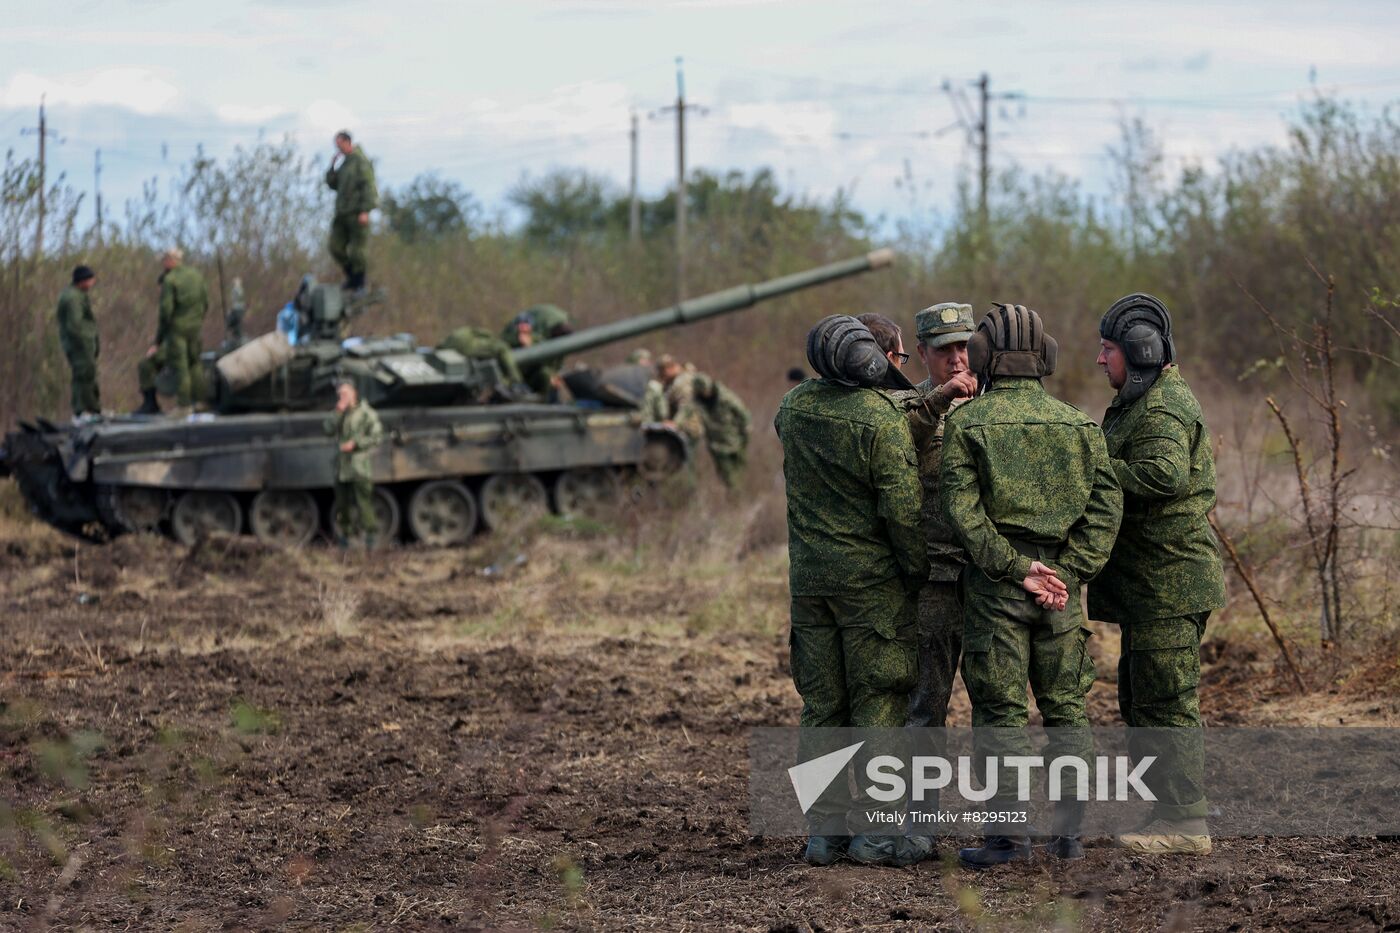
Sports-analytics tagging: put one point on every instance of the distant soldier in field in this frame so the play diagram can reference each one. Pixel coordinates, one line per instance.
(537, 324)
(184, 299)
(654, 399)
(678, 383)
(1028, 487)
(1165, 575)
(77, 334)
(726, 422)
(356, 428)
(351, 177)
(476, 343)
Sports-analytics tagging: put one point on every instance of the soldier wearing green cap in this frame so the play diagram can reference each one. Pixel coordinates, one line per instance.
(77, 334)
(943, 331)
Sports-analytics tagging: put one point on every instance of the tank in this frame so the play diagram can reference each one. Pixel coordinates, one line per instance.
(464, 450)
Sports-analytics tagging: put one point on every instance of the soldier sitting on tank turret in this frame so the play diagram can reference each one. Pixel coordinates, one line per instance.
(537, 324)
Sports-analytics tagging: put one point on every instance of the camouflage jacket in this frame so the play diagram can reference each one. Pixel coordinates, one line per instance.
(654, 403)
(853, 494)
(360, 425)
(353, 183)
(1166, 561)
(183, 300)
(726, 421)
(1022, 473)
(681, 407)
(477, 344)
(927, 411)
(77, 328)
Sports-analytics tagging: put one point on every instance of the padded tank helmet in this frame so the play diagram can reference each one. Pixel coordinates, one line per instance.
(1011, 341)
(1142, 326)
(842, 349)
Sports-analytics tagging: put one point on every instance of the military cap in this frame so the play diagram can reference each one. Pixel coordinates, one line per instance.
(82, 274)
(944, 323)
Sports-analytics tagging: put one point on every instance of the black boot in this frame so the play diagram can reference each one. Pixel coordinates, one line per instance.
(149, 405)
(1067, 848)
(825, 850)
(996, 850)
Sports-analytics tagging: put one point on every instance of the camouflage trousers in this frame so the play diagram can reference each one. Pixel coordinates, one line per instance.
(940, 645)
(354, 508)
(1007, 641)
(729, 466)
(854, 656)
(85, 395)
(180, 353)
(347, 244)
(1159, 671)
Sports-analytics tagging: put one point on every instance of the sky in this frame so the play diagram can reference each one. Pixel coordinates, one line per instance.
(833, 96)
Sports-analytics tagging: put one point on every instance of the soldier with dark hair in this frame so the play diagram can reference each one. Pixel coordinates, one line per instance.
(351, 177)
(1165, 575)
(77, 334)
(1029, 489)
(537, 324)
(856, 557)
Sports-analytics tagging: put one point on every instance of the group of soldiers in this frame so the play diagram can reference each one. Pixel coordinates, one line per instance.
(702, 408)
(955, 522)
(172, 362)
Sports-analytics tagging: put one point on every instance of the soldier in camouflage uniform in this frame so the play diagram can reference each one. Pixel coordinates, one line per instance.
(1165, 575)
(184, 299)
(357, 431)
(537, 324)
(477, 344)
(943, 331)
(678, 384)
(77, 334)
(726, 422)
(352, 180)
(856, 557)
(1029, 489)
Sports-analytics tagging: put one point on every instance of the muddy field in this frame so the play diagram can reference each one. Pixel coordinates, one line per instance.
(233, 737)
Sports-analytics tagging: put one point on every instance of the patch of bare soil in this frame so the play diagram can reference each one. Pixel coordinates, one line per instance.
(232, 737)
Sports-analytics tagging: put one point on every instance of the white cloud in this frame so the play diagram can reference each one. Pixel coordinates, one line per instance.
(806, 122)
(248, 113)
(136, 89)
(327, 117)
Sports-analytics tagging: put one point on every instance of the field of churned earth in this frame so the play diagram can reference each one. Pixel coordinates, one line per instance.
(546, 731)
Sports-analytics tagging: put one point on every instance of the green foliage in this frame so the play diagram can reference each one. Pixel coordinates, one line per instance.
(428, 209)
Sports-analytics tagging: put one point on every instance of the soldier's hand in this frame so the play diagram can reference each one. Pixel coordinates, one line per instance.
(1045, 585)
(961, 385)
(151, 352)
(364, 218)
(347, 447)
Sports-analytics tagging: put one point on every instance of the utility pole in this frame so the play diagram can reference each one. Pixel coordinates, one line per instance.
(983, 151)
(97, 191)
(634, 211)
(44, 133)
(680, 108)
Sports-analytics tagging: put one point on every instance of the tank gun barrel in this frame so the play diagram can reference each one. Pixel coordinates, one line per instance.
(698, 309)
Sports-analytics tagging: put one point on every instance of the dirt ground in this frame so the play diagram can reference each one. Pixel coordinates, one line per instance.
(234, 737)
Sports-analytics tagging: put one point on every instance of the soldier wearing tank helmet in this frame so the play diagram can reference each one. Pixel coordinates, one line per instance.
(1164, 576)
(856, 558)
(1028, 487)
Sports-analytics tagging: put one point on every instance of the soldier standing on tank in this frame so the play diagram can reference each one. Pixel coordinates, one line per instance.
(351, 177)
(1029, 489)
(856, 558)
(357, 431)
(77, 334)
(1165, 575)
(184, 299)
(726, 422)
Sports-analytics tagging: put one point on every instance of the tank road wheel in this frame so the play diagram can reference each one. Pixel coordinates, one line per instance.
(587, 493)
(133, 509)
(662, 455)
(386, 511)
(285, 517)
(512, 499)
(199, 512)
(442, 513)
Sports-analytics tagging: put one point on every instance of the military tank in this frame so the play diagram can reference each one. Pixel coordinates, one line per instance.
(463, 451)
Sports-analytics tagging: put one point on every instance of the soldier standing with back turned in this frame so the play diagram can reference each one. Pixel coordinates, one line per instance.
(1028, 486)
(1165, 576)
(77, 334)
(184, 299)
